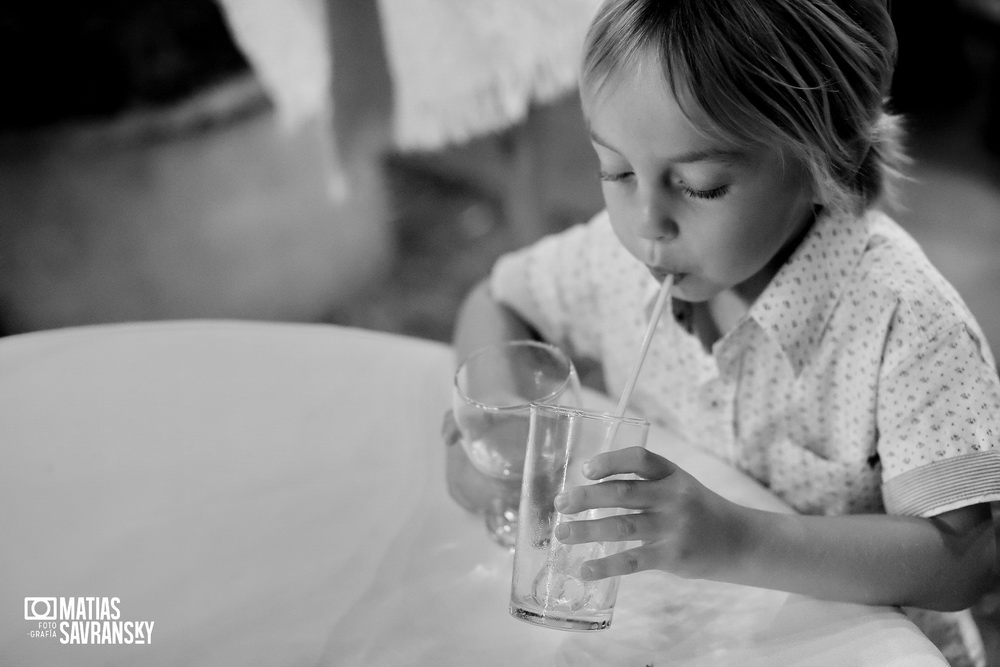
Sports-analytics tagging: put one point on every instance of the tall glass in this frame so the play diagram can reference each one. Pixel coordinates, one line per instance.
(493, 390)
(546, 587)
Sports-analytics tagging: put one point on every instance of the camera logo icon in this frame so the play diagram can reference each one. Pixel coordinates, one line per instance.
(40, 609)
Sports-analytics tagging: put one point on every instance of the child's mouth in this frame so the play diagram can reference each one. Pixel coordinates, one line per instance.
(661, 274)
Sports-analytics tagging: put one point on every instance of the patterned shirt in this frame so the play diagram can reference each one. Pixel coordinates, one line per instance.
(857, 382)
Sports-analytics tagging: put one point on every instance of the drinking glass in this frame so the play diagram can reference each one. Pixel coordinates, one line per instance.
(546, 586)
(493, 390)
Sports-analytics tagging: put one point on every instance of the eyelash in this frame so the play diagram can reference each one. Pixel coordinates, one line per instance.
(613, 178)
(713, 193)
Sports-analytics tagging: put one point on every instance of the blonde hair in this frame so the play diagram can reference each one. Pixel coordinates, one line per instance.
(808, 76)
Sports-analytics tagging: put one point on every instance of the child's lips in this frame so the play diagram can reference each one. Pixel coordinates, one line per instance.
(661, 274)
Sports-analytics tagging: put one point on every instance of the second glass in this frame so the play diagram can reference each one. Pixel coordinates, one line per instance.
(493, 390)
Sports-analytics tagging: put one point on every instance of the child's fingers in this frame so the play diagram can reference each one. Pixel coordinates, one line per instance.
(449, 429)
(627, 562)
(631, 494)
(636, 460)
(621, 528)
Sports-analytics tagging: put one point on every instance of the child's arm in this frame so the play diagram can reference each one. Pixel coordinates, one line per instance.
(943, 563)
(481, 322)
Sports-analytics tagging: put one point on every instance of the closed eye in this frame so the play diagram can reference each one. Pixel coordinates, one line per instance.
(614, 177)
(713, 193)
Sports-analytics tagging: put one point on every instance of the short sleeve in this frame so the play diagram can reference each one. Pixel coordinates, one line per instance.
(551, 285)
(938, 413)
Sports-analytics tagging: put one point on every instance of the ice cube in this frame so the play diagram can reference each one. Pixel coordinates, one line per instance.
(558, 586)
(556, 591)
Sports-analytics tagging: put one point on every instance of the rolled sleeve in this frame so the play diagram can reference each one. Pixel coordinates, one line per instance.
(939, 426)
(945, 485)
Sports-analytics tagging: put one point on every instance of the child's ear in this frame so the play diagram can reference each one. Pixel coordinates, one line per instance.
(815, 194)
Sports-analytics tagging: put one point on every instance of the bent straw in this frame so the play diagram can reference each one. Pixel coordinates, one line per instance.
(661, 300)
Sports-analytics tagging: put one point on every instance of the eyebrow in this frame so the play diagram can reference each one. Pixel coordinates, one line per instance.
(701, 155)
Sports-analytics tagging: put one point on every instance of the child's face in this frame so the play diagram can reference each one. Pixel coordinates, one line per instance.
(718, 216)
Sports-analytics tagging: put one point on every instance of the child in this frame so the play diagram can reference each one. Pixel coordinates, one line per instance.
(743, 147)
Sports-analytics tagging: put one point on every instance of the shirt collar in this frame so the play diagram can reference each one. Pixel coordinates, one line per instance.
(794, 308)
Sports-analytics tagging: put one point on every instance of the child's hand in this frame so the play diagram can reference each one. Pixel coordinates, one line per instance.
(470, 488)
(684, 528)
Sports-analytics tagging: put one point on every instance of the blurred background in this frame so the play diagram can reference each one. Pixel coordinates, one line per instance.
(152, 167)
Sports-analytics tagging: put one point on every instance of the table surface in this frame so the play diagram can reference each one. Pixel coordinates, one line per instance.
(273, 494)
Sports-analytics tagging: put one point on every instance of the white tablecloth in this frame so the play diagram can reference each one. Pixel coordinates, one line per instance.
(274, 495)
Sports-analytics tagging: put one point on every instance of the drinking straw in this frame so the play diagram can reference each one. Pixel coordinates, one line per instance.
(654, 318)
(661, 300)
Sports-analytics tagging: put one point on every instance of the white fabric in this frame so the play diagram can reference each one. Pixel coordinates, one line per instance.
(274, 495)
(463, 68)
(460, 68)
(287, 43)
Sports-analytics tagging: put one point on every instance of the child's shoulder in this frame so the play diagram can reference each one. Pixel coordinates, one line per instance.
(895, 273)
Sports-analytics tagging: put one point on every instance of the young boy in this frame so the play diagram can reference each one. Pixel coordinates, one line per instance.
(743, 148)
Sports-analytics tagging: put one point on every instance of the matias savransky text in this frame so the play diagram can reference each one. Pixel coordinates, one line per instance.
(85, 620)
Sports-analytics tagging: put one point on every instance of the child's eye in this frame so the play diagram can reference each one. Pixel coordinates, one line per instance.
(615, 177)
(713, 193)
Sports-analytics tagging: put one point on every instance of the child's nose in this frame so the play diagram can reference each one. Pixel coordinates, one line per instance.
(656, 222)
